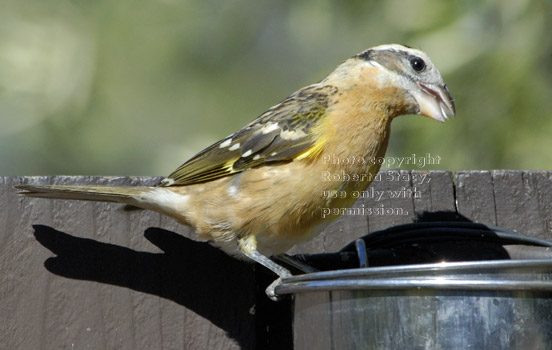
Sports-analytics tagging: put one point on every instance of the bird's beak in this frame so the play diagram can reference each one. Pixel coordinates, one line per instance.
(434, 101)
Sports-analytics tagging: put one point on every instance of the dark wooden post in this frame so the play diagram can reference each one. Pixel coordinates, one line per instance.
(94, 276)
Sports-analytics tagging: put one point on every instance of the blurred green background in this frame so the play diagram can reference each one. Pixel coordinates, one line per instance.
(135, 87)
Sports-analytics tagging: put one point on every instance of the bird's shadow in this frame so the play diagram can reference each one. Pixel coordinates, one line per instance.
(192, 274)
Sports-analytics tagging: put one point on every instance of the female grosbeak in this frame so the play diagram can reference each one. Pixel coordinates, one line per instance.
(259, 191)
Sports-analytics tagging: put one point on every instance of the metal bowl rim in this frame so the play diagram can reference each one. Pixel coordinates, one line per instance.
(469, 267)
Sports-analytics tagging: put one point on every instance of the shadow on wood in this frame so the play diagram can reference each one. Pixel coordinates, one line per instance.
(444, 215)
(192, 274)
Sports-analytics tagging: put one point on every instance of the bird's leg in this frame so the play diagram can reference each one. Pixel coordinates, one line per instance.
(248, 246)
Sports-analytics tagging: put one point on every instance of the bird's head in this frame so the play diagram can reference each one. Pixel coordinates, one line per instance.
(412, 71)
(406, 78)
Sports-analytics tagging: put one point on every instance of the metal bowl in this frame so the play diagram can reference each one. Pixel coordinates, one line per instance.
(503, 304)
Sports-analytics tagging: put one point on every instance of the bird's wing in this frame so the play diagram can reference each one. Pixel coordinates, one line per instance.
(283, 133)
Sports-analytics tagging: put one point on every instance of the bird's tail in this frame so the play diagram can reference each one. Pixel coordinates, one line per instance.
(127, 195)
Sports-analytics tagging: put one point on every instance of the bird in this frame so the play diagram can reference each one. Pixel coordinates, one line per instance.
(259, 191)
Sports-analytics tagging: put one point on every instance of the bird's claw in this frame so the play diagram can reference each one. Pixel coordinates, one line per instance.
(271, 292)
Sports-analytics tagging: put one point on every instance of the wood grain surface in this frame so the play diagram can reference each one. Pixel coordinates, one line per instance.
(90, 275)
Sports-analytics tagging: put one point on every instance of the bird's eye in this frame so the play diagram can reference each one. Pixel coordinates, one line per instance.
(417, 64)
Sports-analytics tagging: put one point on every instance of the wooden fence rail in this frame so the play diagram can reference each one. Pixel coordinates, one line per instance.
(87, 275)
